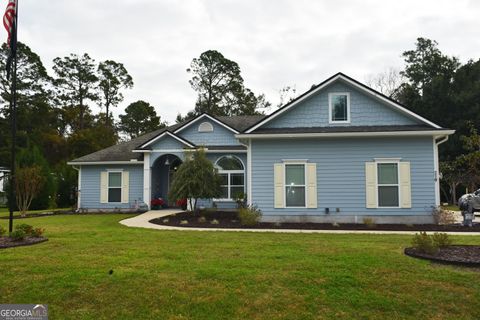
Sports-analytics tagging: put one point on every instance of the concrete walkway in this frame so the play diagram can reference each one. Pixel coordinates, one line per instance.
(142, 221)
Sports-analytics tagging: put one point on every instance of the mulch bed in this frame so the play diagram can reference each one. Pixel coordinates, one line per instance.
(456, 254)
(229, 220)
(6, 242)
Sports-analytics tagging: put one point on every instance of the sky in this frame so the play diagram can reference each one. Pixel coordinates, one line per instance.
(276, 43)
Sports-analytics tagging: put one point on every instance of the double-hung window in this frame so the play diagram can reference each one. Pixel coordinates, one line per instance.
(387, 184)
(339, 107)
(114, 186)
(232, 172)
(295, 185)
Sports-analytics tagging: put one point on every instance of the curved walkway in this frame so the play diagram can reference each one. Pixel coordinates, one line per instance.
(143, 221)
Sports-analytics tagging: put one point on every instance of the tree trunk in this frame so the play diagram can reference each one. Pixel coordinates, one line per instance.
(453, 189)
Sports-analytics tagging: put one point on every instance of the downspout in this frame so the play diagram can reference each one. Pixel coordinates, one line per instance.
(79, 191)
(437, 168)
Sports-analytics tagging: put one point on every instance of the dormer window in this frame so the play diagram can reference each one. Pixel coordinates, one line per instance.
(339, 107)
(205, 127)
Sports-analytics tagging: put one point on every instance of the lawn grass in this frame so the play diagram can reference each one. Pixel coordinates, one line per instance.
(451, 207)
(229, 275)
(4, 211)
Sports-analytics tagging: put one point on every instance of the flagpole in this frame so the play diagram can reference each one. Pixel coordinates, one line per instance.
(13, 115)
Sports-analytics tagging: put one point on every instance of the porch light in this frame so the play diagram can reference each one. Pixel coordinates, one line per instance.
(167, 163)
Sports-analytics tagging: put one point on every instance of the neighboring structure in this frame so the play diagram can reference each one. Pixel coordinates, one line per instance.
(3, 184)
(340, 152)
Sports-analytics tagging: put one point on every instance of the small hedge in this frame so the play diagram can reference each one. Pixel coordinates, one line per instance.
(249, 216)
(430, 243)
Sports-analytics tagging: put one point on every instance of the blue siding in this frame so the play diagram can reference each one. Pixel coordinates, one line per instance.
(341, 172)
(90, 188)
(219, 136)
(168, 143)
(364, 111)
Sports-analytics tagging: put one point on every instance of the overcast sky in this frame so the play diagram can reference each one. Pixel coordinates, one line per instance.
(276, 43)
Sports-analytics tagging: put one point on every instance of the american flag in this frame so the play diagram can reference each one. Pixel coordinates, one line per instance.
(8, 20)
(10, 24)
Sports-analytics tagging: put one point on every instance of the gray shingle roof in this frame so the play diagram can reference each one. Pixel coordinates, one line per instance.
(123, 151)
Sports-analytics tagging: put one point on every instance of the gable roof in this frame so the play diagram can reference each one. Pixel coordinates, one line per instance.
(387, 100)
(123, 152)
(205, 115)
(168, 133)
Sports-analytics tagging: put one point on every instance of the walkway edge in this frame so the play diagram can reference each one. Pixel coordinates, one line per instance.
(143, 221)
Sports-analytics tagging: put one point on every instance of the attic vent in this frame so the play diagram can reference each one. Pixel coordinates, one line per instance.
(205, 127)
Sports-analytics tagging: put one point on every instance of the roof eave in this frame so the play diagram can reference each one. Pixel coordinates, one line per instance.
(344, 134)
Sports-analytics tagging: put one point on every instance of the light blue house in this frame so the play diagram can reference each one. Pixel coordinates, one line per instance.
(340, 152)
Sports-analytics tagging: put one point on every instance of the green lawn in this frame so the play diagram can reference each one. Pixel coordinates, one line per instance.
(4, 212)
(228, 275)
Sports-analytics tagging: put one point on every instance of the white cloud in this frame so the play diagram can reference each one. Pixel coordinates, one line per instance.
(276, 43)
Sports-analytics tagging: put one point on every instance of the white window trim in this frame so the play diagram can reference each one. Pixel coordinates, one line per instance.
(108, 184)
(330, 96)
(386, 160)
(290, 162)
(228, 172)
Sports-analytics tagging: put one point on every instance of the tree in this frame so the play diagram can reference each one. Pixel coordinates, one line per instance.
(76, 84)
(30, 157)
(35, 113)
(386, 82)
(195, 179)
(28, 181)
(287, 94)
(220, 87)
(140, 117)
(112, 78)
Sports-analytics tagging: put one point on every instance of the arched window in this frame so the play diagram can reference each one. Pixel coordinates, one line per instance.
(205, 127)
(232, 171)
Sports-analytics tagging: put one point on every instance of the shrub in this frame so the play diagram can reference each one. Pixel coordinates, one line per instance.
(241, 200)
(184, 222)
(18, 235)
(424, 243)
(202, 220)
(442, 216)
(214, 221)
(3, 231)
(26, 228)
(37, 232)
(369, 222)
(441, 239)
(249, 216)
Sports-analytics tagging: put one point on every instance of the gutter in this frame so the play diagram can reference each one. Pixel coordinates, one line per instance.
(344, 134)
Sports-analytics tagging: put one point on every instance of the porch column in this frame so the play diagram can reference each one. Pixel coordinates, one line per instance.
(146, 179)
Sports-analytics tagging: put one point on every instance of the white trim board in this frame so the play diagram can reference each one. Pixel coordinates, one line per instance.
(354, 84)
(83, 163)
(346, 134)
(203, 115)
(183, 141)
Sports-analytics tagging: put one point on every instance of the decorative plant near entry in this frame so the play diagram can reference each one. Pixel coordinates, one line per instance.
(196, 178)
(157, 203)
(182, 203)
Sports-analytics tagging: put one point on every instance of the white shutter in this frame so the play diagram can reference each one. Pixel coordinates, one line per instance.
(371, 184)
(104, 187)
(125, 186)
(279, 189)
(405, 185)
(311, 185)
